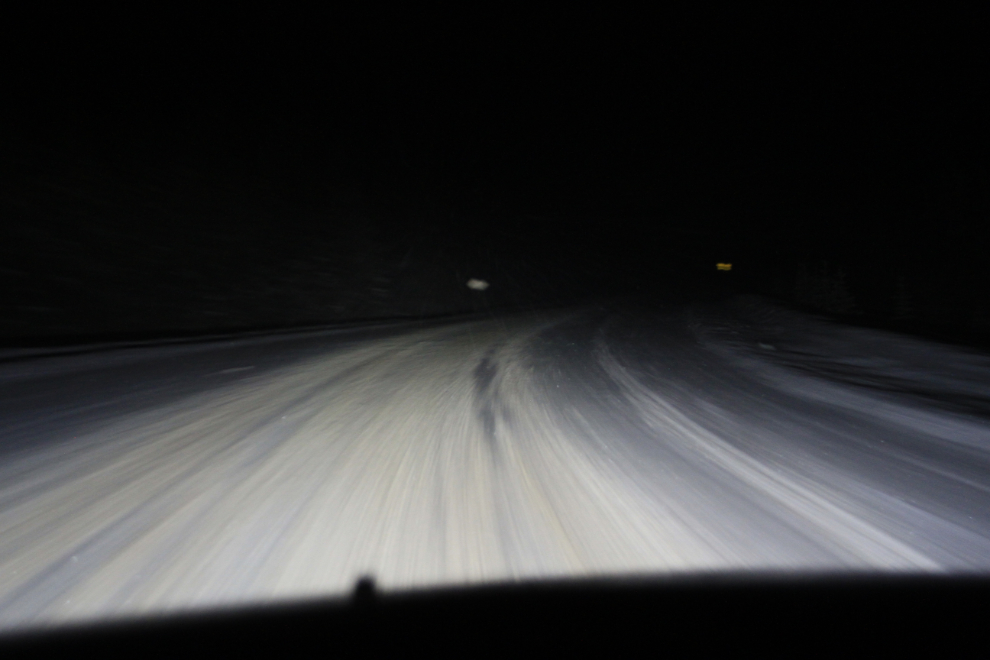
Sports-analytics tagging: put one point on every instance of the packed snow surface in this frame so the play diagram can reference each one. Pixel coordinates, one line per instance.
(734, 437)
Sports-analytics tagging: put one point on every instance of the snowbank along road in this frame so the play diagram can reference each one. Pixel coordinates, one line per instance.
(589, 442)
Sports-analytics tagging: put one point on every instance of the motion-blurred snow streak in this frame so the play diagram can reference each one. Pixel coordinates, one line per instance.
(584, 444)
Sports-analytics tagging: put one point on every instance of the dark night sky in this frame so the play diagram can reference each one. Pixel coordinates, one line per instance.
(605, 138)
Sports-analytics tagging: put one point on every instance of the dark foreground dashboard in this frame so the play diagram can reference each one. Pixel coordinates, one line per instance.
(926, 616)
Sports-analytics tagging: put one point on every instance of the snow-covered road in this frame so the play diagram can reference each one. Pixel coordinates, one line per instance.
(568, 443)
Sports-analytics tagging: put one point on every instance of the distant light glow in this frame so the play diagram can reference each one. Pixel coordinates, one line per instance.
(477, 285)
(724, 266)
